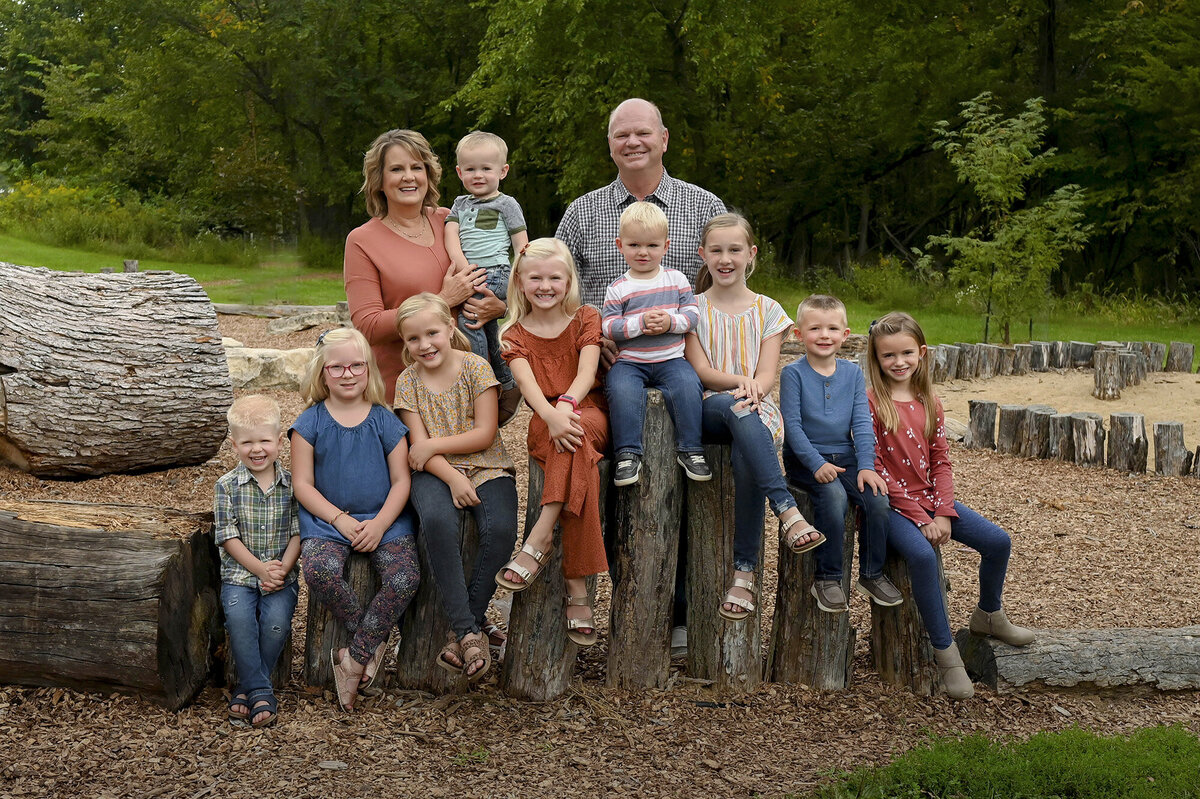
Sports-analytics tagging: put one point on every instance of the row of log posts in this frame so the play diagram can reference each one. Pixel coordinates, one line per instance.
(1130, 363)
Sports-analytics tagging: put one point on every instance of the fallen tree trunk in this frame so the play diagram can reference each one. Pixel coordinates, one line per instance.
(97, 371)
(108, 598)
(1119, 658)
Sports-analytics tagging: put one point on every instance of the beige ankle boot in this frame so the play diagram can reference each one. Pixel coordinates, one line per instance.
(997, 625)
(952, 673)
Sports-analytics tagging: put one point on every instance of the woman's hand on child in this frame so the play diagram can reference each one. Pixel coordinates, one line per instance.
(419, 454)
(462, 491)
(608, 353)
(367, 535)
(828, 473)
(869, 478)
(458, 287)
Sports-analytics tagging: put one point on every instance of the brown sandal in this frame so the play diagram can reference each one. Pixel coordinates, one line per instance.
(587, 623)
(474, 649)
(528, 576)
(452, 649)
(791, 538)
(366, 686)
(345, 682)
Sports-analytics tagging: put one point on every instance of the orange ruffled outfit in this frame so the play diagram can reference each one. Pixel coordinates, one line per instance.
(572, 478)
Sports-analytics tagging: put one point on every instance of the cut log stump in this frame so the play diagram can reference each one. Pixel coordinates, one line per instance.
(810, 646)
(1108, 379)
(1060, 354)
(108, 598)
(1008, 437)
(1081, 353)
(1062, 441)
(1090, 661)
(727, 652)
(96, 371)
(323, 632)
(953, 355)
(1008, 357)
(1087, 438)
(900, 649)
(1127, 444)
(1171, 456)
(539, 659)
(1023, 359)
(1156, 355)
(981, 432)
(645, 555)
(1039, 358)
(1179, 356)
(1035, 432)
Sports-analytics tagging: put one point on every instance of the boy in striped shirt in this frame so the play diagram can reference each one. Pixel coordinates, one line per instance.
(646, 312)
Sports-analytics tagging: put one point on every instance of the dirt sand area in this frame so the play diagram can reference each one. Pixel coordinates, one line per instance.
(1091, 548)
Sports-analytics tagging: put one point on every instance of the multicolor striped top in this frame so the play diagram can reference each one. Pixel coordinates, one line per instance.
(629, 298)
(733, 342)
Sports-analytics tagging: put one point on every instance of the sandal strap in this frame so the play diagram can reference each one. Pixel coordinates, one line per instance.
(519, 570)
(791, 536)
(588, 623)
(579, 601)
(745, 604)
(741, 582)
(537, 554)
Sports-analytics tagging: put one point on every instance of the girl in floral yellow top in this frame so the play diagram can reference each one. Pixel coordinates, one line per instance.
(448, 401)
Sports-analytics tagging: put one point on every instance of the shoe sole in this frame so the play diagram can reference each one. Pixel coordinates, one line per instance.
(825, 607)
(860, 590)
(698, 478)
(628, 481)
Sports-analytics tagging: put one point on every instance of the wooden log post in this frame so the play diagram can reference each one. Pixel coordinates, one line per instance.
(1060, 354)
(968, 360)
(1008, 437)
(1179, 357)
(1127, 444)
(1107, 376)
(989, 360)
(937, 363)
(1088, 661)
(1022, 359)
(108, 598)
(1132, 370)
(953, 354)
(425, 625)
(728, 653)
(323, 632)
(981, 431)
(1008, 357)
(1039, 359)
(645, 553)
(1156, 355)
(1171, 456)
(1195, 471)
(1087, 437)
(1081, 353)
(1035, 432)
(97, 371)
(809, 646)
(900, 649)
(539, 659)
(1062, 440)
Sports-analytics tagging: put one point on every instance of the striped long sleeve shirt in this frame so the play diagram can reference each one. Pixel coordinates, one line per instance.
(629, 298)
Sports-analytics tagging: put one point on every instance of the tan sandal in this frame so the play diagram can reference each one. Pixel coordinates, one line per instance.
(366, 686)
(746, 605)
(345, 682)
(791, 538)
(528, 576)
(474, 649)
(453, 649)
(575, 625)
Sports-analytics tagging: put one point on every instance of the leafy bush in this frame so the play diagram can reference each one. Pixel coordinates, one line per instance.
(1156, 762)
(321, 253)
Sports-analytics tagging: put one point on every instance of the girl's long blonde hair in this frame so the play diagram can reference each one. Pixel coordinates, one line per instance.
(426, 301)
(704, 280)
(539, 250)
(922, 382)
(314, 389)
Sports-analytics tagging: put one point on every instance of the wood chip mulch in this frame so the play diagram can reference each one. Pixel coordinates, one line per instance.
(1091, 548)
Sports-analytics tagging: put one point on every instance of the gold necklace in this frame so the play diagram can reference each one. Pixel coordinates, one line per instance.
(396, 226)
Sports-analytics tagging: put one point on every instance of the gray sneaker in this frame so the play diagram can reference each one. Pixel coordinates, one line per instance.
(880, 590)
(830, 596)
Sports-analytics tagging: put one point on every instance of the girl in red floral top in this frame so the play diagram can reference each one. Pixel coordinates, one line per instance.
(913, 458)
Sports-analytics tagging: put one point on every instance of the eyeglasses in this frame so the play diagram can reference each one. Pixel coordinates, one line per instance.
(356, 369)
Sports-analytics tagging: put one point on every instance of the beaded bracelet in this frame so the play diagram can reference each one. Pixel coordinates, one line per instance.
(569, 399)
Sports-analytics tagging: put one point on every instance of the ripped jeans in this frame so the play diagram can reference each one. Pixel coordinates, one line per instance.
(258, 625)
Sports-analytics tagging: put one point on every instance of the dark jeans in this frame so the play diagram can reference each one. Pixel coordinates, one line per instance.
(981, 535)
(830, 502)
(626, 386)
(496, 522)
(485, 341)
(756, 473)
(258, 625)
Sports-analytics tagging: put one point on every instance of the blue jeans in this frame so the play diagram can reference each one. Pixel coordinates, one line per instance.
(756, 473)
(830, 501)
(258, 625)
(485, 341)
(980, 534)
(626, 386)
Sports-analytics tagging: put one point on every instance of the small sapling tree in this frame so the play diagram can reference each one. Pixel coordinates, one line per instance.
(1004, 263)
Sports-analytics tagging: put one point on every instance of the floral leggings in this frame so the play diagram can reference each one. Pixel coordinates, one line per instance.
(396, 564)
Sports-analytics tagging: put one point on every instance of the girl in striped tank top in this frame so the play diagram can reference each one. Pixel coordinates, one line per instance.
(735, 350)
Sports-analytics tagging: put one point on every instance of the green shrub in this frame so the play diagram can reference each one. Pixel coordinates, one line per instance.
(321, 253)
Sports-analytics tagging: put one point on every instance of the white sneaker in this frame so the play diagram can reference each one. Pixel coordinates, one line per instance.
(678, 641)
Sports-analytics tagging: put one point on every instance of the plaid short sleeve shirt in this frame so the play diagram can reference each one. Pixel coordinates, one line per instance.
(264, 522)
(590, 225)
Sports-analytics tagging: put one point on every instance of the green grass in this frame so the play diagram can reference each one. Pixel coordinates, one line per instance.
(283, 279)
(1155, 762)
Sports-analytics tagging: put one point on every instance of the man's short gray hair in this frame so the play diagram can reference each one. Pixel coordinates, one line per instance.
(623, 103)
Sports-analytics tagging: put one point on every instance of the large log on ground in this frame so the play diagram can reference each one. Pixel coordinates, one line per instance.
(1121, 658)
(107, 598)
(644, 558)
(808, 645)
(1179, 357)
(900, 649)
(539, 658)
(981, 432)
(97, 371)
(727, 652)
(1108, 379)
(1087, 438)
(323, 632)
(1008, 437)
(1127, 444)
(1171, 457)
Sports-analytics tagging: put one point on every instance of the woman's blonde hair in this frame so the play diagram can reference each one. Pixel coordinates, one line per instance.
(418, 147)
(314, 388)
(539, 250)
(922, 382)
(419, 303)
(704, 280)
